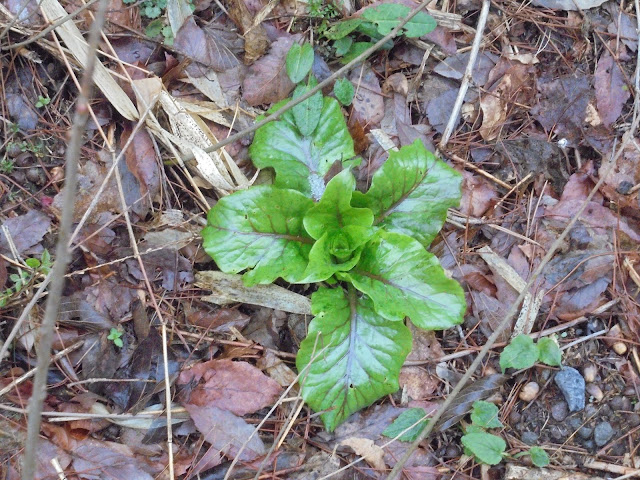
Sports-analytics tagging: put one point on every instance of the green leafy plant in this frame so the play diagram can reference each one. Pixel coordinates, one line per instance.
(42, 102)
(375, 22)
(488, 448)
(24, 277)
(115, 335)
(522, 352)
(6, 165)
(366, 249)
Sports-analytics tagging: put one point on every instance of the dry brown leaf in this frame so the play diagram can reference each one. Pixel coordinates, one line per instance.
(238, 387)
(419, 384)
(368, 102)
(226, 432)
(611, 90)
(25, 230)
(372, 453)
(478, 195)
(255, 37)
(267, 81)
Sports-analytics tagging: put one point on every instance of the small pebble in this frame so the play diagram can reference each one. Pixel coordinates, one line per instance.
(585, 432)
(619, 403)
(633, 419)
(590, 411)
(590, 371)
(529, 391)
(559, 411)
(574, 422)
(530, 438)
(515, 416)
(572, 386)
(589, 444)
(595, 391)
(603, 433)
(558, 432)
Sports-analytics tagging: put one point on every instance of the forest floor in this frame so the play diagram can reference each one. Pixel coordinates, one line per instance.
(549, 109)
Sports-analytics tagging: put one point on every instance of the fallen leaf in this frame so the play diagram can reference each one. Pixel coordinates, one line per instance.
(368, 102)
(563, 105)
(568, 4)
(425, 345)
(623, 26)
(255, 37)
(417, 382)
(215, 320)
(238, 387)
(509, 86)
(479, 390)
(478, 195)
(455, 66)
(611, 90)
(372, 453)
(213, 46)
(226, 432)
(142, 162)
(93, 460)
(267, 81)
(25, 230)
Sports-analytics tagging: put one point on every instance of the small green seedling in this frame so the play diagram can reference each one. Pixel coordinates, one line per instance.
(522, 352)
(367, 250)
(115, 335)
(43, 102)
(24, 277)
(374, 23)
(488, 448)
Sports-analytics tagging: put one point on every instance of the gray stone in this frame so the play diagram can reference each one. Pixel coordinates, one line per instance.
(530, 438)
(603, 433)
(572, 386)
(559, 411)
(633, 420)
(574, 422)
(585, 432)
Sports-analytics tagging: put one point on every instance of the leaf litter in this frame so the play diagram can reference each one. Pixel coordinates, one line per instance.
(544, 128)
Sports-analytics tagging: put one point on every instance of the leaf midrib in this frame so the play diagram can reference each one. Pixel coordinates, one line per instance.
(402, 198)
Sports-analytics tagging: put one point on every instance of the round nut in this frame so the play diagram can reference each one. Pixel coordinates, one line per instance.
(595, 391)
(620, 348)
(529, 391)
(589, 372)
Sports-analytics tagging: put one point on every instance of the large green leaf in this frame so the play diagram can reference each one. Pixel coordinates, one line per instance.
(411, 193)
(299, 61)
(334, 210)
(487, 448)
(336, 251)
(260, 229)
(355, 355)
(302, 161)
(388, 15)
(307, 113)
(403, 279)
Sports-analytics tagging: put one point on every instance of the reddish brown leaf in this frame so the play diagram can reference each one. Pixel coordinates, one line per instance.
(226, 432)
(107, 460)
(210, 47)
(478, 195)
(220, 320)
(368, 102)
(3, 273)
(26, 231)
(255, 38)
(267, 80)
(142, 161)
(237, 387)
(611, 90)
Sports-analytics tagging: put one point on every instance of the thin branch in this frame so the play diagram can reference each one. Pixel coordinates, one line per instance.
(338, 73)
(62, 254)
(466, 79)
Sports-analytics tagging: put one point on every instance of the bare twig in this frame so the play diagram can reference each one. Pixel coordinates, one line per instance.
(466, 79)
(62, 254)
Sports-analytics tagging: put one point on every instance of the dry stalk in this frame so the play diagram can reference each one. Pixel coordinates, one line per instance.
(62, 255)
(466, 79)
